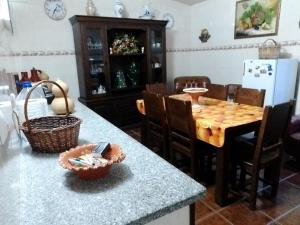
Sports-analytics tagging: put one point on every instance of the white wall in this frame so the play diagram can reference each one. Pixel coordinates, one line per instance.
(35, 33)
(226, 65)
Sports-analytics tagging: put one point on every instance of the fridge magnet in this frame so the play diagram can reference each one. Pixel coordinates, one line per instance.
(256, 18)
(204, 36)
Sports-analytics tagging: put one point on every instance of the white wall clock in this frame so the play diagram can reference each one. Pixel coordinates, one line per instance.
(169, 17)
(55, 9)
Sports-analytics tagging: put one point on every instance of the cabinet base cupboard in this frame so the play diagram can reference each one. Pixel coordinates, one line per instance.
(116, 58)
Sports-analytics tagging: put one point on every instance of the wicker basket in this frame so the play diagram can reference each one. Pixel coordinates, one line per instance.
(51, 134)
(270, 49)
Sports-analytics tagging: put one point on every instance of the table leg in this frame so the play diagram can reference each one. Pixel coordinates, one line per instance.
(222, 174)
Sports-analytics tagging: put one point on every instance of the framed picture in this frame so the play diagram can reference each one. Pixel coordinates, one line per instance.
(256, 18)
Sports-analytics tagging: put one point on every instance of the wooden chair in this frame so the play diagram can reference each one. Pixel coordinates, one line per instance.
(231, 90)
(292, 141)
(217, 91)
(159, 88)
(182, 131)
(156, 126)
(183, 140)
(250, 96)
(264, 151)
(190, 81)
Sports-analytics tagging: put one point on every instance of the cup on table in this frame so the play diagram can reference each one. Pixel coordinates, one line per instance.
(230, 98)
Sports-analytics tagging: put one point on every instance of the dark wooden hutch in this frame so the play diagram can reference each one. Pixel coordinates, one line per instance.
(116, 57)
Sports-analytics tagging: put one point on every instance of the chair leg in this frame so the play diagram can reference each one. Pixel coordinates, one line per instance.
(253, 191)
(172, 156)
(201, 165)
(233, 175)
(194, 163)
(166, 151)
(209, 167)
(276, 178)
(144, 131)
(242, 178)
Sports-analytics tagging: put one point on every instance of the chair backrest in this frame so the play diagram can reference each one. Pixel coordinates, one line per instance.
(217, 91)
(180, 117)
(154, 107)
(273, 129)
(190, 81)
(159, 88)
(232, 89)
(250, 96)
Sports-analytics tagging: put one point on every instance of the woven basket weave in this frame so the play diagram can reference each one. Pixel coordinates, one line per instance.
(51, 134)
(270, 49)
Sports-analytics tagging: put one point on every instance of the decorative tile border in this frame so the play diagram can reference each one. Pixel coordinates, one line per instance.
(37, 53)
(198, 49)
(230, 47)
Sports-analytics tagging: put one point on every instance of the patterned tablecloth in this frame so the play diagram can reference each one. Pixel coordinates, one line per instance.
(214, 116)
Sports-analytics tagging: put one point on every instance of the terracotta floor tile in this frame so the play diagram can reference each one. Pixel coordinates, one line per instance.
(240, 214)
(274, 208)
(292, 218)
(295, 179)
(209, 198)
(202, 210)
(287, 198)
(289, 191)
(286, 173)
(215, 219)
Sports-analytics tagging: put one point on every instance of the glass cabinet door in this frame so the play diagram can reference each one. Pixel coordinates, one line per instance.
(157, 56)
(96, 65)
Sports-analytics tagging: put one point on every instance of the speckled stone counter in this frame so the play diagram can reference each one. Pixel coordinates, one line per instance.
(35, 190)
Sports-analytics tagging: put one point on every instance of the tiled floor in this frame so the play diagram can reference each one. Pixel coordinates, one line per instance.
(284, 210)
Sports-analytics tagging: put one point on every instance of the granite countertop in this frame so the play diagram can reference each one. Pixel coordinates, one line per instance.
(35, 189)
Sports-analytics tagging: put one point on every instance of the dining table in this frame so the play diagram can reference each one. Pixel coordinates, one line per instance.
(218, 123)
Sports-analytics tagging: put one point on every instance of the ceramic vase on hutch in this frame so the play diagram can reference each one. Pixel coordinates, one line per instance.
(90, 8)
(119, 8)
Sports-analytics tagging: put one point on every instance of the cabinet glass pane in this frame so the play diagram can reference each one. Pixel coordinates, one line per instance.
(94, 43)
(127, 72)
(128, 62)
(156, 55)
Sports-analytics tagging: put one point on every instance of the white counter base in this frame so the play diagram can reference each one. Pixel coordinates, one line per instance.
(178, 217)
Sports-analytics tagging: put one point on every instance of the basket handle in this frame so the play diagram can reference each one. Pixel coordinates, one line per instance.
(29, 93)
(270, 40)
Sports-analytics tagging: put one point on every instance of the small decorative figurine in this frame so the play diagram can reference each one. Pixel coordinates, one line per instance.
(147, 13)
(90, 8)
(204, 35)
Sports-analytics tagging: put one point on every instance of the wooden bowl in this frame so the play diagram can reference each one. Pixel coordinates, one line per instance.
(113, 155)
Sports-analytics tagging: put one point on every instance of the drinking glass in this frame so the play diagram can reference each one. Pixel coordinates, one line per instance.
(230, 98)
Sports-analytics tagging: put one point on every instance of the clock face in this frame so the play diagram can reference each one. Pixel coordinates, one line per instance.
(55, 9)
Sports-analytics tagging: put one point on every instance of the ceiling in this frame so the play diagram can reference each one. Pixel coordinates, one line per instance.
(189, 2)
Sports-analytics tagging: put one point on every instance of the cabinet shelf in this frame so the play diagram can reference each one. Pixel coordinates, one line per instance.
(157, 51)
(127, 55)
(118, 105)
(138, 87)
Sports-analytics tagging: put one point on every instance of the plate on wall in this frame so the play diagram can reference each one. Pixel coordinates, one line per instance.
(170, 18)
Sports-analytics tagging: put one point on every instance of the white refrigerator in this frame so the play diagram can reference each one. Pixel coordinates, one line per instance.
(277, 76)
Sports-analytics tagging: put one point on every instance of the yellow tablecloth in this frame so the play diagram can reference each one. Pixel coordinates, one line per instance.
(214, 116)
